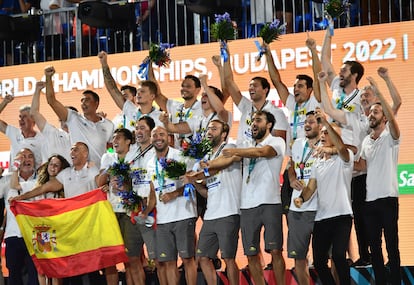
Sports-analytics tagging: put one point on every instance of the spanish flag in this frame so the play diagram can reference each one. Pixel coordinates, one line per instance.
(69, 237)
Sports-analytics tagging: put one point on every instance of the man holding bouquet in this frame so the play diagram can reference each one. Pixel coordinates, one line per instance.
(176, 214)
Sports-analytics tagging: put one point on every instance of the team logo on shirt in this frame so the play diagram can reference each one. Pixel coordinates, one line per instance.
(43, 239)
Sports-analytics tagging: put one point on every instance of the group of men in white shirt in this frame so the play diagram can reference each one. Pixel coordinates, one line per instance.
(241, 182)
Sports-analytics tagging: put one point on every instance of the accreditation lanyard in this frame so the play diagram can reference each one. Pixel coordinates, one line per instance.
(341, 104)
(160, 175)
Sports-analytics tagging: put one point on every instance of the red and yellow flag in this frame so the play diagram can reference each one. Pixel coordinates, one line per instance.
(69, 237)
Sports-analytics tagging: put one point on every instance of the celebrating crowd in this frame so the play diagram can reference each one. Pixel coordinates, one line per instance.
(341, 142)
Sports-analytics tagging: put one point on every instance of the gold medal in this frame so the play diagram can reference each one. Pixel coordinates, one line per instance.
(248, 179)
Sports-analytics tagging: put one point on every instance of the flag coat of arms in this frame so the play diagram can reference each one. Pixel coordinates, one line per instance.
(69, 237)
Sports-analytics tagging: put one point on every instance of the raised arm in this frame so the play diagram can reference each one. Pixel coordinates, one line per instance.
(160, 98)
(251, 152)
(231, 86)
(50, 186)
(316, 67)
(110, 83)
(217, 62)
(7, 99)
(59, 109)
(177, 128)
(336, 114)
(335, 138)
(326, 56)
(388, 112)
(215, 101)
(274, 74)
(39, 119)
(395, 95)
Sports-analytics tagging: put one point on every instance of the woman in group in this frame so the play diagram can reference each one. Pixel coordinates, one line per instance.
(46, 172)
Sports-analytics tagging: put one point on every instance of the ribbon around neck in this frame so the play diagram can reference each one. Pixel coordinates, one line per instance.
(189, 191)
(144, 68)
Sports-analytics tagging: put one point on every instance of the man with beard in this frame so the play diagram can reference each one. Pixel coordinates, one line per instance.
(344, 86)
(141, 102)
(360, 129)
(90, 127)
(301, 220)
(222, 218)
(212, 108)
(260, 197)
(259, 88)
(176, 215)
(379, 157)
(331, 176)
(180, 111)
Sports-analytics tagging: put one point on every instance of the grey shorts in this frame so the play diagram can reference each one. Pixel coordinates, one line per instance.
(135, 236)
(299, 234)
(175, 238)
(220, 233)
(251, 222)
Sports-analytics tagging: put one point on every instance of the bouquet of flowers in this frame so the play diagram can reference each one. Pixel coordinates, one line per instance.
(223, 30)
(196, 146)
(138, 175)
(173, 168)
(120, 170)
(159, 54)
(131, 202)
(269, 33)
(336, 8)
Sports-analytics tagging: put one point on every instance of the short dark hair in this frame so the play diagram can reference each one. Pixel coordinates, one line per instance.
(94, 94)
(217, 92)
(269, 117)
(195, 79)
(148, 120)
(132, 89)
(356, 67)
(225, 128)
(264, 82)
(126, 133)
(307, 78)
(72, 108)
(151, 85)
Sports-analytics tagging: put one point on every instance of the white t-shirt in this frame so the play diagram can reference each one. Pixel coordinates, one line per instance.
(349, 102)
(177, 209)
(107, 160)
(263, 186)
(12, 228)
(78, 182)
(381, 156)
(57, 141)
(180, 114)
(131, 113)
(17, 142)
(333, 177)
(224, 191)
(246, 108)
(200, 126)
(297, 122)
(301, 152)
(95, 135)
(141, 183)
